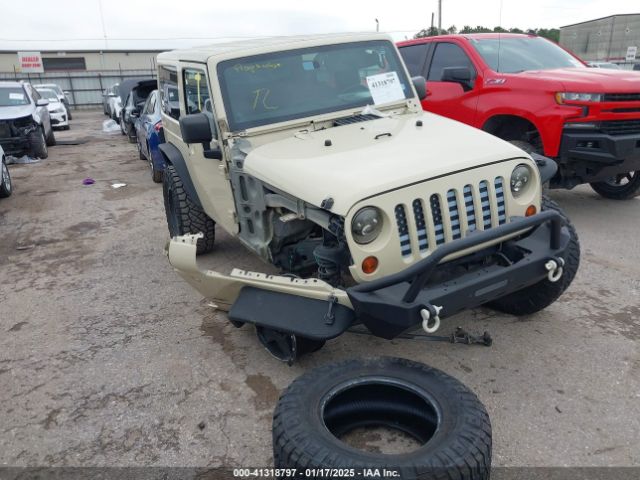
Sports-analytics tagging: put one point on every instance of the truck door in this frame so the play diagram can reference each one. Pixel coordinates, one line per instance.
(452, 84)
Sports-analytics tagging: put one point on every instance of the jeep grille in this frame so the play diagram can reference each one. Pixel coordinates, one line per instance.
(450, 215)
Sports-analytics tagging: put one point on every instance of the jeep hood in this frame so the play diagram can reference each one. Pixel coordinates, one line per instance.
(17, 111)
(353, 162)
(588, 80)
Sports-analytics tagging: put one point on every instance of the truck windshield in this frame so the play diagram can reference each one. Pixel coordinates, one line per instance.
(518, 54)
(12, 96)
(281, 86)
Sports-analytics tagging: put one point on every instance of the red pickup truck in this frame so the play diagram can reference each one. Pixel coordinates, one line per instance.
(532, 92)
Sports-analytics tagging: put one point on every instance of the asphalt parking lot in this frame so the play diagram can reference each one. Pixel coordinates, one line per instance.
(108, 358)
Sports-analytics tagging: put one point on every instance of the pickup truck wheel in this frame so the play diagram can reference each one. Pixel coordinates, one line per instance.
(38, 144)
(5, 180)
(184, 216)
(442, 418)
(620, 187)
(539, 296)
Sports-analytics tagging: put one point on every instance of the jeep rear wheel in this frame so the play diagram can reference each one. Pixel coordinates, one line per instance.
(542, 294)
(37, 144)
(184, 216)
(620, 187)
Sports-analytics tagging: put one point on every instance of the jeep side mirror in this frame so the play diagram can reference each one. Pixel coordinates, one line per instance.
(42, 102)
(195, 128)
(420, 84)
(461, 75)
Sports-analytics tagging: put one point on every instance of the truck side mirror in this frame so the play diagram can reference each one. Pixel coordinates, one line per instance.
(420, 84)
(195, 128)
(461, 75)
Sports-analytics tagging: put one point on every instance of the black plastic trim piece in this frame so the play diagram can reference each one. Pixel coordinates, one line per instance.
(173, 156)
(306, 317)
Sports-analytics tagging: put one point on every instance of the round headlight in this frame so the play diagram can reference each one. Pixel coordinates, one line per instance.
(520, 178)
(366, 225)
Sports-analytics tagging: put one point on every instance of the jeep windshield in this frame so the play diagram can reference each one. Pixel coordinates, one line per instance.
(281, 86)
(518, 54)
(13, 96)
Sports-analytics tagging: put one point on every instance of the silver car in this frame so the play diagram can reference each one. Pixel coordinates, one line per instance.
(25, 124)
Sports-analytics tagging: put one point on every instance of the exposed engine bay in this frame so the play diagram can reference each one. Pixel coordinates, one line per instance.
(14, 134)
(298, 238)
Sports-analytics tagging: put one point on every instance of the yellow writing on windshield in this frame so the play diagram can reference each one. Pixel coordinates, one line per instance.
(254, 67)
(261, 97)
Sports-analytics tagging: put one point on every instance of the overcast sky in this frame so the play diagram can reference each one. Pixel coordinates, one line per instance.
(131, 24)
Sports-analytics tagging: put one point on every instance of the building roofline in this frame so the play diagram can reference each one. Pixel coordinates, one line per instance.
(125, 50)
(602, 18)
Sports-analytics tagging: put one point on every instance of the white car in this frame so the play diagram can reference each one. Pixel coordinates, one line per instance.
(62, 95)
(57, 109)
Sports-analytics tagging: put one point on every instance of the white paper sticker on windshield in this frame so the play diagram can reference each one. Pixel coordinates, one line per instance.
(385, 88)
(16, 96)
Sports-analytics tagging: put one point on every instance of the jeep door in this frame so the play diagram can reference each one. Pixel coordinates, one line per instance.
(186, 90)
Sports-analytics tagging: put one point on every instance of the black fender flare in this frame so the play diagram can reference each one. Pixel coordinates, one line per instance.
(547, 166)
(173, 157)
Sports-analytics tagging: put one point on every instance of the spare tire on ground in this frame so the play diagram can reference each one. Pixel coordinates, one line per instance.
(444, 420)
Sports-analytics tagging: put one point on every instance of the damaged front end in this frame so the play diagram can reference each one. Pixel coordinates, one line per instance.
(14, 135)
(311, 308)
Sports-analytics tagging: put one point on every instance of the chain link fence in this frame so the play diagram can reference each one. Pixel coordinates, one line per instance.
(84, 88)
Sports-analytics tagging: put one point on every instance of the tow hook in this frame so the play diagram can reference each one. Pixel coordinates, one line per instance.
(430, 312)
(554, 268)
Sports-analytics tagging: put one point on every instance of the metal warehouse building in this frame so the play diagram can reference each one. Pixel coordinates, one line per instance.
(84, 74)
(605, 39)
(78, 60)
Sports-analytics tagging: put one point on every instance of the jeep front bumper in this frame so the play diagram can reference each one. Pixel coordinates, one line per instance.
(387, 306)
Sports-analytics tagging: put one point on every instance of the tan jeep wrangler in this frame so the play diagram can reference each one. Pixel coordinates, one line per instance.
(315, 153)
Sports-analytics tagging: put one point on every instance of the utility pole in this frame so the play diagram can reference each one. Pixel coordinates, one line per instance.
(431, 29)
(439, 17)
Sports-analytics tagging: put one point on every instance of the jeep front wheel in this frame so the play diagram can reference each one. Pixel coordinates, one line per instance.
(542, 294)
(183, 215)
(620, 187)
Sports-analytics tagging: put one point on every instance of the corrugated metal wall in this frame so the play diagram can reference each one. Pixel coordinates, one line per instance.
(85, 88)
(603, 39)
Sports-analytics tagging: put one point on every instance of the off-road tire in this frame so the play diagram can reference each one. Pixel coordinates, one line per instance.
(536, 297)
(329, 401)
(38, 144)
(5, 180)
(623, 192)
(184, 216)
(51, 139)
